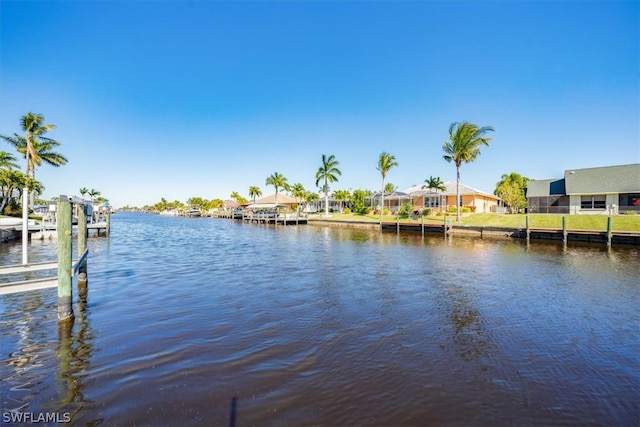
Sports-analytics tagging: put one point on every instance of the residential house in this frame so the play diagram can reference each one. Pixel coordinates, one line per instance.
(476, 200)
(603, 190)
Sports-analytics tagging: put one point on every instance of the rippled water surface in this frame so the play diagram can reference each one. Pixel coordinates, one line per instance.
(214, 322)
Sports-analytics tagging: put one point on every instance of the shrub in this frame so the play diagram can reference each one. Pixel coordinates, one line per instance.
(630, 213)
(385, 211)
(406, 209)
(346, 211)
(427, 212)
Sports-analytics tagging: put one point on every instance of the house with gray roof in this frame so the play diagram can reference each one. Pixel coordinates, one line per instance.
(605, 190)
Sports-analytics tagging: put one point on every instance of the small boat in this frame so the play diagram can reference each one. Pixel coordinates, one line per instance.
(193, 212)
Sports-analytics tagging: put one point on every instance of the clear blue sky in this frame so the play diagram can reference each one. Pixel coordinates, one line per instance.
(177, 98)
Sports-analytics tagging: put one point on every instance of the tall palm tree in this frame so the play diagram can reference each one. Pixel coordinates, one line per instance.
(83, 191)
(254, 191)
(463, 146)
(35, 146)
(327, 172)
(386, 161)
(278, 181)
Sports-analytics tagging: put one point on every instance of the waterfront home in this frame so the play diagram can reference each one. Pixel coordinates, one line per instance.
(230, 205)
(607, 190)
(476, 200)
(392, 201)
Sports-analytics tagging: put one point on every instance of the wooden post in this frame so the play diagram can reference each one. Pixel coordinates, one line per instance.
(398, 223)
(82, 244)
(527, 225)
(25, 224)
(108, 229)
(609, 231)
(422, 223)
(445, 224)
(63, 225)
(564, 229)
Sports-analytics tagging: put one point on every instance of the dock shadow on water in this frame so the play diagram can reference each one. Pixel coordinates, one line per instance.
(215, 322)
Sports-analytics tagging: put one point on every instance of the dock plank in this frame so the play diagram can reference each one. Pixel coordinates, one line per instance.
(28, 285)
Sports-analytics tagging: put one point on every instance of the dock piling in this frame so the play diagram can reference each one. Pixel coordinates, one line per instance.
(564, 229)
(609, 232)
(82, 243)
(63, 225)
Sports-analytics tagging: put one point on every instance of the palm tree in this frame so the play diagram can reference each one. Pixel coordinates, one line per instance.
(386, 161)
(311, 197)
(93, 193)
(35, 146)
(327, 172)
(237, 197)
(463, 146)
(278, 181)
(390, 188)
(7, 161)
(254, 191)
(10, 179)
(341, 196)
(83, 191)
(298, 191)
(434, 184)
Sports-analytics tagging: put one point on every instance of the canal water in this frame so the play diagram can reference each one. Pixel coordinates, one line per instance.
(213, 322)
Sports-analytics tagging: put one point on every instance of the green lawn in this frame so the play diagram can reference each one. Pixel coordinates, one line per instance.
(574, 222)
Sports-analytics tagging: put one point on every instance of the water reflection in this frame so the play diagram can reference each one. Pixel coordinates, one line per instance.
(75, 350)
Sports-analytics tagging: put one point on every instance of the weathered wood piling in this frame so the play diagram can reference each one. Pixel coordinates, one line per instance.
(65, 294)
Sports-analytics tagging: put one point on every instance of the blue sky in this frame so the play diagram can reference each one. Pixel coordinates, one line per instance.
(177, 98)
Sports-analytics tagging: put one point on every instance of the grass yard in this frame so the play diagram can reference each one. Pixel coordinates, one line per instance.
(574, 222)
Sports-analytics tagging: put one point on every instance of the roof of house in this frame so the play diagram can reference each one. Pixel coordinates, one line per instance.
(545, 187)
(608, 179)
(421, 189)
(282, 198)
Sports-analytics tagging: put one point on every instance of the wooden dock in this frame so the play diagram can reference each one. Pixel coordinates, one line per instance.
(588, 236)
(48, 231)
(272, 218)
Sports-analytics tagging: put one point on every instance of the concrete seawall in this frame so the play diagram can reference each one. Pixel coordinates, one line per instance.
(587, 236)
